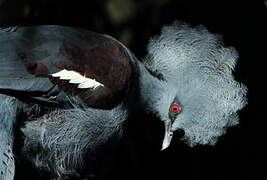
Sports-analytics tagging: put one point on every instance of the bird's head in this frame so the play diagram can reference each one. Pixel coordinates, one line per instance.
(190, 85)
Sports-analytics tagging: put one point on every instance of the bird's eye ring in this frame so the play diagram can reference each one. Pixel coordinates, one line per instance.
(175, 108)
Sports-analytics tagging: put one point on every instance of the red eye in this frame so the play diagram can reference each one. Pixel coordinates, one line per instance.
(175, 108)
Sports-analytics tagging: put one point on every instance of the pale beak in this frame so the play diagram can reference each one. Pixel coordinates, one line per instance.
(168, 135)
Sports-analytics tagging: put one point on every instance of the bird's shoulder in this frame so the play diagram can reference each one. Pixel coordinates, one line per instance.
(31, 55)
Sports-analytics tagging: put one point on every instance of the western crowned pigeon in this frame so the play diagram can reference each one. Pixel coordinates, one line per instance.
(76, 89)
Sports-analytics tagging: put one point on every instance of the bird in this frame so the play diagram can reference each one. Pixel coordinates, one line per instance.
(76, 91)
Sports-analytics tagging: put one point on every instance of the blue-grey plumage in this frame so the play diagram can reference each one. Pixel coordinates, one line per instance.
(185, 80)
(8, 108)
(70, 84)
(59, 141)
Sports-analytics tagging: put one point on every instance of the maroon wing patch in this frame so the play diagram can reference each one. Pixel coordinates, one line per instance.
(35, 68)
(98, 75)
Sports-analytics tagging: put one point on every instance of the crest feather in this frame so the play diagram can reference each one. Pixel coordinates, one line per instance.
(195, 62)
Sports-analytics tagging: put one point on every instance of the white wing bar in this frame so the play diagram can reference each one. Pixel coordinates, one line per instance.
(75, 78)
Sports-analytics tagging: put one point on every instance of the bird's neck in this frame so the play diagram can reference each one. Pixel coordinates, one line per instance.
(149, 87)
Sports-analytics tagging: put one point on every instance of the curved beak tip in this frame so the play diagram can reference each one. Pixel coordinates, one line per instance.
(168, 136)
(164, 146)
(167, 141)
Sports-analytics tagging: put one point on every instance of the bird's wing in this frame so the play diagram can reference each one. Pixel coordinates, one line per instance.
(52, 63)
(198, 68)
(42, 61)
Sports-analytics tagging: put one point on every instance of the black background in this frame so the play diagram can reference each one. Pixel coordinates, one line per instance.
(240, 154)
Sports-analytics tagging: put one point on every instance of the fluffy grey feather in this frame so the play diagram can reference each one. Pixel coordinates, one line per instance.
(59, 140)
(198, 70)
(8, 108)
